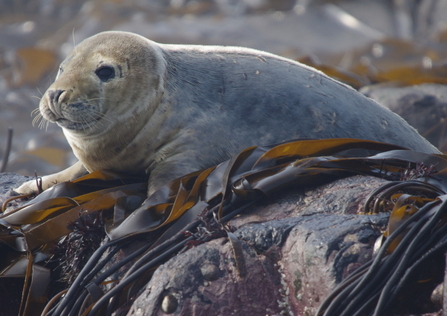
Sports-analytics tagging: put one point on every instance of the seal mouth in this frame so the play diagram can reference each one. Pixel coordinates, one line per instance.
(79, 116)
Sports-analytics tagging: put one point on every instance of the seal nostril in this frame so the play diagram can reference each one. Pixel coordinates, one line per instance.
(55, 95)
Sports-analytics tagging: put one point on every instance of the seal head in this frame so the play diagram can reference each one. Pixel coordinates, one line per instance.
(105, 92)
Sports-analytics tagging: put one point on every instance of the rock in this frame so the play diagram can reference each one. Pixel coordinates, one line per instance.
(422, 106)
(295, 247)
(9, 181)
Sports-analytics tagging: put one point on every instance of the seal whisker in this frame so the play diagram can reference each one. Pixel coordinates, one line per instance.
(40, 92)
(87, 118)
(36, 111)
(47, 123)
(84, 120)
(98, 115)
(90, 117)
(100, 98)
(38, 120)
(104, 117)
(43, 123)
(73, 37)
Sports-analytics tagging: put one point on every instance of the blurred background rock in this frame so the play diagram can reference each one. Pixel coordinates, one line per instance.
(396, 44)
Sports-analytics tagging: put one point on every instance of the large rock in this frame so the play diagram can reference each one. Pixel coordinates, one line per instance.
(422, 106)
(296, 247)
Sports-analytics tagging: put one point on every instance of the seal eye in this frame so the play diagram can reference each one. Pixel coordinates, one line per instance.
(61, 70)
(105, 73)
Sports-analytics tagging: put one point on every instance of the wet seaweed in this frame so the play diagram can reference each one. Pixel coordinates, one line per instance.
(199, 204)
(416, 233)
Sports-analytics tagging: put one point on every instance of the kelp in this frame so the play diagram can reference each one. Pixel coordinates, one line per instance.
(414, 238)
(180, 214)
(411, 253)
(393, 60)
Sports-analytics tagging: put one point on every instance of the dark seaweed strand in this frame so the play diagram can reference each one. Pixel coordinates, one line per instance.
(80, 301)
(386, 268)
(81, 283)
(366, 280)
(418, 242)
(151, 253)
(395, 254)
(387, 189)
(75, 309)
(137, 274)
(341, 303)
(99, 266)
(92, 273)
(357, 297)
(100, 278)
(69, 306)
(84, 277)
(382, 251)
(337, 300)
(440, 247)
(376, 195)
(137, 270)
(160, 248)
(391, 264)
(338, 295)
(144, 265)
(419, 234)
(67, 302)
(434, 238)
(353, 299)
(232, 214)
(179, 237)
(408, 244)
(362, 311)
(84, 294)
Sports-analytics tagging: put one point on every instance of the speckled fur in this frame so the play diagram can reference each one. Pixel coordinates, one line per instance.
(175, 109)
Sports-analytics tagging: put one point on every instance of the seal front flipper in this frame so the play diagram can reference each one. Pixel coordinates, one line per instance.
(168, 170)
(75, 171)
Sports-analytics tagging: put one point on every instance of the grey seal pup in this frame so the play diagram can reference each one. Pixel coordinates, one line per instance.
(128, 104)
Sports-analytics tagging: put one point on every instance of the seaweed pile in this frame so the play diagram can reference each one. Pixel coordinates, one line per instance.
(58, 247)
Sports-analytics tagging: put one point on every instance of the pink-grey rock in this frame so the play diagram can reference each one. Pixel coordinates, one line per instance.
(296, 247)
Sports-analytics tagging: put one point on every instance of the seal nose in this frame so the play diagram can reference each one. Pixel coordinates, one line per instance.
(54, 96)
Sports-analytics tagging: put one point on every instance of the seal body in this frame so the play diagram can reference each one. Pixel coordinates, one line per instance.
(126, 103)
